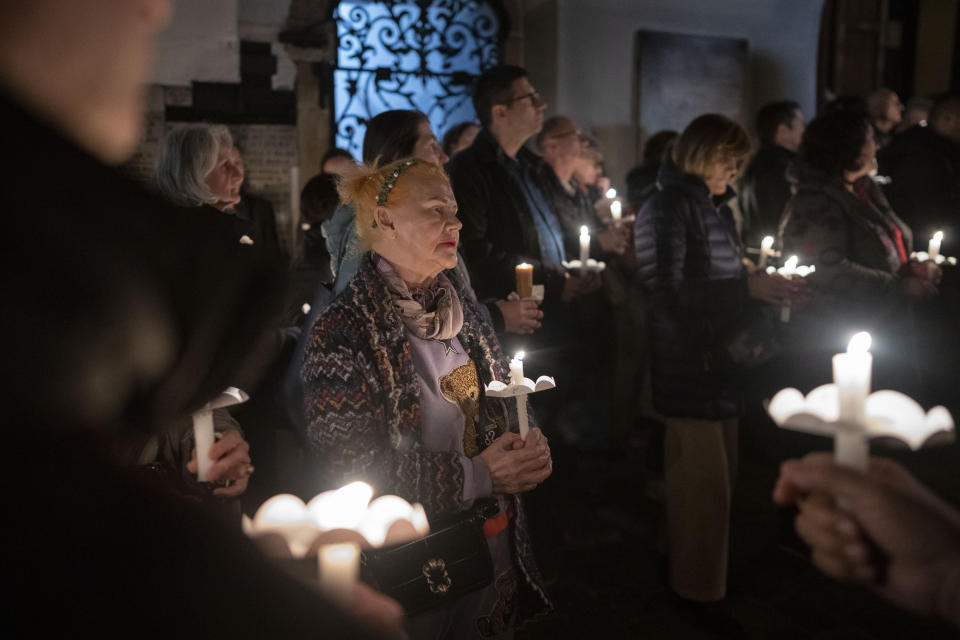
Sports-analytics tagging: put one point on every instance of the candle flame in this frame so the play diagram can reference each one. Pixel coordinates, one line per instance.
(519, 355)
(584, 231)
(792, 263)
(859, 343)
(611, 193)
(524, 265)
(767, 243)
(615, 208)
(938, 236)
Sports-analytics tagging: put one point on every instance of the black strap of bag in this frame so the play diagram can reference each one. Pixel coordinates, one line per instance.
(453, 560)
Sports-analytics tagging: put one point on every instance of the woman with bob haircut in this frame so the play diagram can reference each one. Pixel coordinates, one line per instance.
(691, 263)
(394, 374)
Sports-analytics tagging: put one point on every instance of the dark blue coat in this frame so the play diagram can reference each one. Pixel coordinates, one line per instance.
(690, 264)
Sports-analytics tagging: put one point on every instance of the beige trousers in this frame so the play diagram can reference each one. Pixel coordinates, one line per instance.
(701, 463)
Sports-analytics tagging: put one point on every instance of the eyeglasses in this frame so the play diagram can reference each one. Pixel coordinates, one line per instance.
(534, 96)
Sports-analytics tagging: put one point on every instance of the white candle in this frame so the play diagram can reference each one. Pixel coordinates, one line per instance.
(522, 415)
(338, 566)
(516, 368)
(851, 373)
(611, 193)
(616, 210)
(933, 249)
(788, 270)
(203, 440)
(766, 249)
(584, 245)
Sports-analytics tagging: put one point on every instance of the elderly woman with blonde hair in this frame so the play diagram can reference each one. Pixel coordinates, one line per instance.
(394, 377)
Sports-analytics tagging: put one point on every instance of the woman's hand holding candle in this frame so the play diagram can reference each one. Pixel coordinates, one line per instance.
(518, 465)
(776, 290)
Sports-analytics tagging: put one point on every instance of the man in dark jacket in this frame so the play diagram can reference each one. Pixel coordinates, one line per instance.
(764, 189)
(120, 312)
(560, 143)
(506, 218)
(923, 164)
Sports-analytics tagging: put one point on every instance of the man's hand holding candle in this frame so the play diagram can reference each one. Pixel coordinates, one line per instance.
(579, 284)
(520, 316)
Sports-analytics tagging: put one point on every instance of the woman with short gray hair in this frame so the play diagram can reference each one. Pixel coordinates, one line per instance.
(197, 165)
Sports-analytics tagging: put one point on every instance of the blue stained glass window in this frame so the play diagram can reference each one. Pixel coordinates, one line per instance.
(420, 55)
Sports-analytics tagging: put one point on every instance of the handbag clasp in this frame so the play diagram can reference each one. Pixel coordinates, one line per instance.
(435, 571)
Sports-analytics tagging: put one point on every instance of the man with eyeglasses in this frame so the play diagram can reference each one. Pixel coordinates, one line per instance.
(506, 217)
(561, 143)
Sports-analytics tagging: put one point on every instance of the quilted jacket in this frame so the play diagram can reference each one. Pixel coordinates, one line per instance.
(690, 263)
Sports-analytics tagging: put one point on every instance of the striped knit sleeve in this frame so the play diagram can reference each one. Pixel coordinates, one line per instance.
(352, 433)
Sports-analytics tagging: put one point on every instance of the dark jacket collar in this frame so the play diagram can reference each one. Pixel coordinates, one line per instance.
(489, 150)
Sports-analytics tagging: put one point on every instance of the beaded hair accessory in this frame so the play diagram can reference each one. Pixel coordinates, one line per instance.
(391, 180)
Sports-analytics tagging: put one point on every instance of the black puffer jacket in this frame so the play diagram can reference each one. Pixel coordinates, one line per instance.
(690, 262)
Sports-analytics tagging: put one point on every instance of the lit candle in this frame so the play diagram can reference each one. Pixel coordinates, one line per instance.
(516, 368)
(616, 210)
(338, 566)
(766, 249)
(851, 373)
(611, 193)
(203, 440)
(524, 280)
(584, 246)
(933, 249)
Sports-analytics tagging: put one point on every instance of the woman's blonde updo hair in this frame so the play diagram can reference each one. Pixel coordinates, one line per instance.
(361, 187)
(709, 138)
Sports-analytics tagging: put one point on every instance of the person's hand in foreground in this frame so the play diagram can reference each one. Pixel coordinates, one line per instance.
(892, 534)
(379, 612)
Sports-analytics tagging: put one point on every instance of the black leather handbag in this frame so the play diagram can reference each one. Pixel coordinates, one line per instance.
(451, 561)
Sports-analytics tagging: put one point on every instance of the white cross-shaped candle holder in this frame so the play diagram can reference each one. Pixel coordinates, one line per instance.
(519, 388)
(790, 269)
(853, 416)
(887, 414)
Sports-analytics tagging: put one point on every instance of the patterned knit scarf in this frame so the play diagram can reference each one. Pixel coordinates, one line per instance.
(430, 313)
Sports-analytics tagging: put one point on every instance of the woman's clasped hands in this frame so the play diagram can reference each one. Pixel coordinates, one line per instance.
(517, 465)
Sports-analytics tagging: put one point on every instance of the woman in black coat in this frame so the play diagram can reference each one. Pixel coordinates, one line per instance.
(839, 221)
(690, 261)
